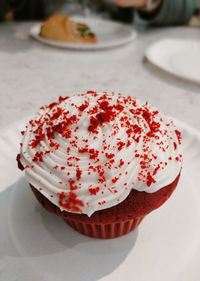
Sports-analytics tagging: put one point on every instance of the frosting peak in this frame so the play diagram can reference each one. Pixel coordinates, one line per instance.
(87, 152)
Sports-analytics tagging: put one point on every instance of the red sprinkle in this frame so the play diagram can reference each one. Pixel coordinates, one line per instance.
(94, 191)
(38, 156)
(70, 202)
(119, 107)
(120, 145)
(115, 179)
(72, 186)
(150, 180)
(101, 118)
(78, 174)
(178, 134)
(121, 163)
(83, 106)
(110, 156)
(93, 153)
(175, 146)
(61, 99)
(156, 170)
(83, 150)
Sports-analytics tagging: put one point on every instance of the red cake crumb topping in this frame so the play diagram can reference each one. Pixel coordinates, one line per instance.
(38, 156)
(178, 134)
(115, 179)
(110, 156)
(78, 174)
(83, 106)
(70, 202)
(175, 146)
(94, 191)
(93, 153)
(103, 122)
(120, 145)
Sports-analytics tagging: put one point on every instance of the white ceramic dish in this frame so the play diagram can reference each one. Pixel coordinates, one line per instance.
(179, 57)
(36, 245)
(109, 34)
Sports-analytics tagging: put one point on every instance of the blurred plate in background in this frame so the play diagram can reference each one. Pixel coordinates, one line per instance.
(109, 34)
(180, 57)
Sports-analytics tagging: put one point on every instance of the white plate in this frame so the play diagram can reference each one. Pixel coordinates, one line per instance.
(179, 57)
(109, 34)
(36, 245)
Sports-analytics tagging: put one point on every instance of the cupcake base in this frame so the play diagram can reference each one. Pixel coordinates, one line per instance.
(101, 230)
(117, 220)
(105, 231)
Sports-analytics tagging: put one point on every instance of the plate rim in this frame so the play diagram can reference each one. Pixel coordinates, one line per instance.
(150, 56)
(34, 33)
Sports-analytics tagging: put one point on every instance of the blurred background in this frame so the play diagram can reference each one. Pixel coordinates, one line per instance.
(39, 9)
(159, 12)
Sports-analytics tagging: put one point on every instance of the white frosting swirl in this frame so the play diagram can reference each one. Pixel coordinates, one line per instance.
(87, 152)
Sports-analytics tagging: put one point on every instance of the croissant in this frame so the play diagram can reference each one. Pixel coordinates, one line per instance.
(60, 27)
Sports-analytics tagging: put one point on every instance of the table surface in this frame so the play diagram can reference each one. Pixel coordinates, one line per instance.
(33, 74)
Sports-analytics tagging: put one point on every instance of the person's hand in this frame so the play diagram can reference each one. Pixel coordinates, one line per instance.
(130, 3)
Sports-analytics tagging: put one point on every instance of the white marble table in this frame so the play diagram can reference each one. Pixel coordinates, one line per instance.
(33, 74)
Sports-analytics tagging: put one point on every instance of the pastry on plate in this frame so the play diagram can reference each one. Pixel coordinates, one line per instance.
(62, 28)
(101, 161)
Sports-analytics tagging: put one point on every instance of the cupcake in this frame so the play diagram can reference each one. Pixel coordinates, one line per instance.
(101, 161)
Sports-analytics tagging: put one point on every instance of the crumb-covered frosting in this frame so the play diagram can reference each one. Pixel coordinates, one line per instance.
(87, 152)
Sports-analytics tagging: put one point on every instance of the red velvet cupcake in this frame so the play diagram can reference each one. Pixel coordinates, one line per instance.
(102, 162)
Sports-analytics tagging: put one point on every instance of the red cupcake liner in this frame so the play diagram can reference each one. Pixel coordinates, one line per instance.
(105, 231)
